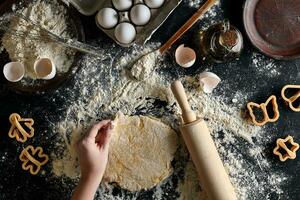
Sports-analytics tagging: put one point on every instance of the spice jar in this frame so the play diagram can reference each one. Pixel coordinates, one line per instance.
(221, 42)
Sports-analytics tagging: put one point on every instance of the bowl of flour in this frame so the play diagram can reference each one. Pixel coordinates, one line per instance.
(21, 42)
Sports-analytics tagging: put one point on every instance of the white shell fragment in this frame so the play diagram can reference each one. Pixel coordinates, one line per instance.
(107, 18)
(44, 68)
(140, 15)
(14, 71)
(125, 33)
(209, 81)
(122, 5)
(154, 3)
(185, 56)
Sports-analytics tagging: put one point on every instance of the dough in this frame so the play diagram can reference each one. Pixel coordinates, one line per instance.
(141, 151)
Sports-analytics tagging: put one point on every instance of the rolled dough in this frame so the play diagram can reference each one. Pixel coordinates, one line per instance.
(141, 151)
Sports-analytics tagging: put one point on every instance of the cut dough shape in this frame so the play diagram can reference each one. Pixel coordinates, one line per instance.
(141, 151)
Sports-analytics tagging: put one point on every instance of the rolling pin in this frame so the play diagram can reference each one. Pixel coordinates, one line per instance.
(212, 174)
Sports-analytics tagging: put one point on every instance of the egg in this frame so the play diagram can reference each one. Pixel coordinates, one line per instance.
(107, 18)
(140, 14)
(185, 56)
(44, 68)
(209, 81)
(14, 71)
(154, 3)
(125, 33)
(122, 5)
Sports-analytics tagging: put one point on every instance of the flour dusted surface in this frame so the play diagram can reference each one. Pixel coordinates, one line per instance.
(28, 48)
(240, 144)
(145, 65)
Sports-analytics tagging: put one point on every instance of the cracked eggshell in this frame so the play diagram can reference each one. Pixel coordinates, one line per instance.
(140, 15)
(14, 71)
(107, 18)
(122, 5)
(185, 56)
(209, 81)
(44, 68)
(125, 33)
(154, 3)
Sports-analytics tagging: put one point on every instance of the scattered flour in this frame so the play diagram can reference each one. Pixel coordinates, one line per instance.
(238, 142)
(28, 47)
(145, 65)
(194, 3)
(265, 66)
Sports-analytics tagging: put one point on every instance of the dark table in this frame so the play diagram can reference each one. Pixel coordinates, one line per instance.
(18, 184)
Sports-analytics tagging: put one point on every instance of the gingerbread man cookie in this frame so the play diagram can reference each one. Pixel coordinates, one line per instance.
(17, 130)
(263, 107)
(33, 159)
(290, 152)
(291, 101)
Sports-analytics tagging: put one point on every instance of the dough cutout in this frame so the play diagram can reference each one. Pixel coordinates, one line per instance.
(17, 130)
(263, 107)
(281, 146)
(33, 159)
(141, 151)
(291, 100)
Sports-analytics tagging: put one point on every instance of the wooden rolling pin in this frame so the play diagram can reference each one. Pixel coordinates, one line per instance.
(212, 174)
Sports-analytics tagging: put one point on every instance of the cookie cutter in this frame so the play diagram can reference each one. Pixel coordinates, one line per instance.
(30, 162)
(263, 107)
(291, 100)
(17, 130)
(290, 152)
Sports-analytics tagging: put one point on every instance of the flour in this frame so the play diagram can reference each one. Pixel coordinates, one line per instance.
(240, 144)
(52, 16)
(210, 17)
(194, 3)
(145, 65)
(265, 66)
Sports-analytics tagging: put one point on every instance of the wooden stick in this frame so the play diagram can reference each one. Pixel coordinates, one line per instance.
(188, 116)
(196, 135)
(203, 9)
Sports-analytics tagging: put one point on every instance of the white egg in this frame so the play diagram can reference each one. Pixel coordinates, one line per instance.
(140, 14)
(185, 56)
(154, 3)
(125, 33)
(122, 5)
(14, 71)
(107, 18)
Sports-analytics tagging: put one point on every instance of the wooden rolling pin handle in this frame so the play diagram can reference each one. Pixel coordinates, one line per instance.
(213, 176)
(188, 115)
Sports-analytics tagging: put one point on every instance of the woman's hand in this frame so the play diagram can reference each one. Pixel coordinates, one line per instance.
(93, 156)
(93, 150)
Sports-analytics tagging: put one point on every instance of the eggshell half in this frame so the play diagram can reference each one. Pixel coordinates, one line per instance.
(14, 71)
(44, 68)
(209, 81)
(185, 56)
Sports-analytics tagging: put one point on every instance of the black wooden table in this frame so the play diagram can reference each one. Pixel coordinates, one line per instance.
(18, 184)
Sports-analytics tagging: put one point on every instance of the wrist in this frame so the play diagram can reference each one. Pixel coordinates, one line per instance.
(90, 182)
(86, 188)
(91, 178)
